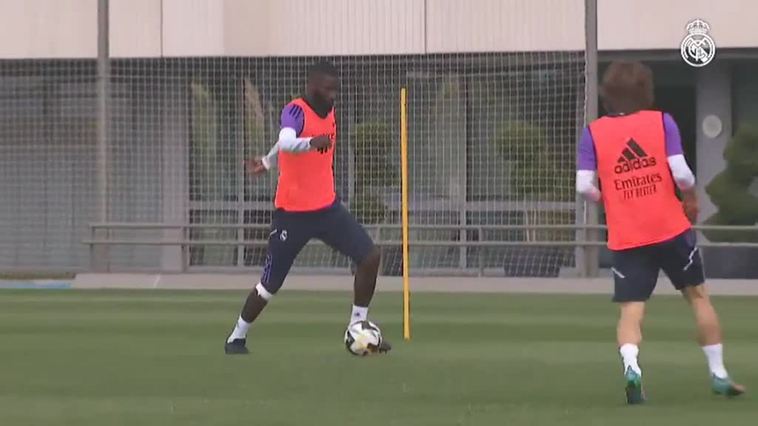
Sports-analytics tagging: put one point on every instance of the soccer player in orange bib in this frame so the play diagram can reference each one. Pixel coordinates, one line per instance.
(306, 204)
(636, 153)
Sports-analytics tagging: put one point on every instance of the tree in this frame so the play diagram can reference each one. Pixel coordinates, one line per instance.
(539, 167)
(731, 190)
(374, 170)
(524, 146)
(538, 172)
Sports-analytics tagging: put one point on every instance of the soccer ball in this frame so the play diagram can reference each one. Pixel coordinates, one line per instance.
(362, 338)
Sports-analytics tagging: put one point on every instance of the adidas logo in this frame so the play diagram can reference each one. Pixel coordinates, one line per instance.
(633, 157)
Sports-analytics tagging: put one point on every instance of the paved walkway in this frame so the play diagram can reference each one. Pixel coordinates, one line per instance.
(418, 284)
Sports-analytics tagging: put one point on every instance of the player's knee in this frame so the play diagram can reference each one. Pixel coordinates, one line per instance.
(696, 293)
(265, 291)
(372, 259)
(632, 311)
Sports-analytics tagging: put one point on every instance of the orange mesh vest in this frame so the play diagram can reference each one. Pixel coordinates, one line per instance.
(638, 189)
(306, 180)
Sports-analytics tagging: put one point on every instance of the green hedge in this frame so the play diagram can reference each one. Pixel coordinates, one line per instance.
(730, 190)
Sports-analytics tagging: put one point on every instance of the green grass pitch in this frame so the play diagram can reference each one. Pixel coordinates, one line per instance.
(156, 358)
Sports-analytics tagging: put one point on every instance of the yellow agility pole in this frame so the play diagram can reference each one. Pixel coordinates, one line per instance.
(404, 208)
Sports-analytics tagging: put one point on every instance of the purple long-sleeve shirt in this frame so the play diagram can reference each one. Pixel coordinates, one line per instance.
(293, 117)
(587, 159)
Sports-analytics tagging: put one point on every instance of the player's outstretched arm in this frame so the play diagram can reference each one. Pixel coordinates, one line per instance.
(685, 181)
(260, 165)
(255, 166)
(680, 170)
(271, 160)
(292, 122)
(586, 168)
(288, 141)
(585, 185)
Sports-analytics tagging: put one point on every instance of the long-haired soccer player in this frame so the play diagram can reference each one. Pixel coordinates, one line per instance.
(307, 205)
(637, 154)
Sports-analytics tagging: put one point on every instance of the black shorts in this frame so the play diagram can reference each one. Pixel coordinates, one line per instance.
(635, 271)
(291, 231)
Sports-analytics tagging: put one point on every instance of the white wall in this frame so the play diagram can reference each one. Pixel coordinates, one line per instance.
(661, 24)
(504, 25)
(193, 28)
(150, 28)
(48, 28)
(136, 28)
(321, 27)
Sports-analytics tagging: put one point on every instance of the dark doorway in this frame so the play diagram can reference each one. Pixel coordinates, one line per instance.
(679, 101)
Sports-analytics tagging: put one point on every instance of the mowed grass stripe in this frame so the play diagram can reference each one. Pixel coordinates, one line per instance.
(155, 358)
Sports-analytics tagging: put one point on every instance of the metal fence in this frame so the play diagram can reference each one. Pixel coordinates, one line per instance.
(137, 164)
(102, 238)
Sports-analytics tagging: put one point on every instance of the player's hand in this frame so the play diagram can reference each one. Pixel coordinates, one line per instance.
(321, 143)
(255, 166)
(691, 206)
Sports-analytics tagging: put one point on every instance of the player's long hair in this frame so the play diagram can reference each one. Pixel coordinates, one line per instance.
(627, 87)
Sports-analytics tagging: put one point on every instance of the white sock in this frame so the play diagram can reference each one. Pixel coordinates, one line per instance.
(240, 330)
(629, 354)
(715, 355)
(359, 313)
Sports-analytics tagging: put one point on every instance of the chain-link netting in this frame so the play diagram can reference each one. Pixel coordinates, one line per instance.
(491, 149)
